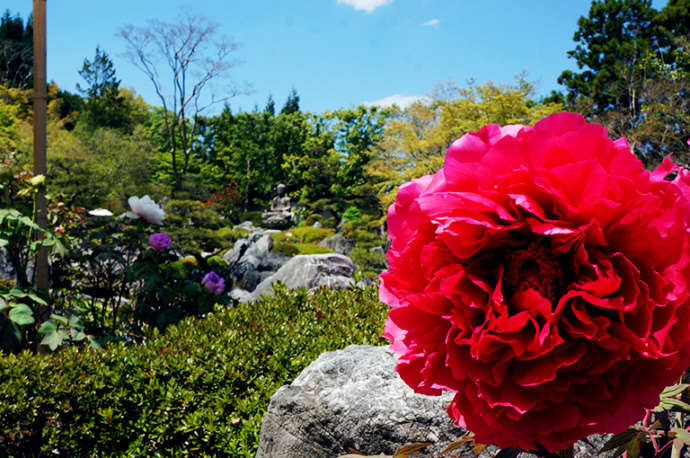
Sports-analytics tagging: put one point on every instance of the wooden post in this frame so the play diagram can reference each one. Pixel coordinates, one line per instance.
(40, 167)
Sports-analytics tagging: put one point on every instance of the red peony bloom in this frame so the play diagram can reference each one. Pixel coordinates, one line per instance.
(542, 275)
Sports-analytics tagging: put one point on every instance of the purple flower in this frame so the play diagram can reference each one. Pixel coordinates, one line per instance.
(213, 283)
(159, 241)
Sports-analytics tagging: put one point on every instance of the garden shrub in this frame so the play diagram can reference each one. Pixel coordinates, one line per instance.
(194, 227)
(305, 234)
(369, 262)
(201, 388)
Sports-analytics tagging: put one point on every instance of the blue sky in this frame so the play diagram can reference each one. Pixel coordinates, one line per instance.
(335, 53)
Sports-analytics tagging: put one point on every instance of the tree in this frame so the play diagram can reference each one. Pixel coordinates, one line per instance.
(357, 134)
(292, 103)
(187, 55)
(611, 43)
(636, 74)
(16, 52)
(417, 138)
(270, 106)
(105, 106)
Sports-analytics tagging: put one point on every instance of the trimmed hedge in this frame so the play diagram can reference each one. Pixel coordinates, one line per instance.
(199, 389)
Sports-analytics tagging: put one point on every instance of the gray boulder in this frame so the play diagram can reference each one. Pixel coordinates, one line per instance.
(309, 271)
(6, 270)
(353, 398)
(251, 259)
(338, 243)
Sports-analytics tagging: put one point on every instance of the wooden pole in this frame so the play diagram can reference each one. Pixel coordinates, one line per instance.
(40, 96)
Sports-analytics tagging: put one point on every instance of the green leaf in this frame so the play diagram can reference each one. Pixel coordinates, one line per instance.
(75, 322)
(21, 314)
(59, 318)
(681, 435)
(4, 242)
(674, 390)
(671, 403)
(619, 440)
(52, 340)
(36, 298)
(77, 335)
(47, 327)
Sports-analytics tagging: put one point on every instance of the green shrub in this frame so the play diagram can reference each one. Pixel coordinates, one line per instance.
(365, 239)
(311, 248)
(199, 389)
(306, 234)
(286, 248)
(352, 213)
(253, 216)
(195, 227)
(369, 262)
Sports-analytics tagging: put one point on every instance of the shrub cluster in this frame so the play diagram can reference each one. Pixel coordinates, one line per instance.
(201, 388)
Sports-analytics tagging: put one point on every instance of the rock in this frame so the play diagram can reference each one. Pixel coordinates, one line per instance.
(248, 225)
(235, 253)
(338, 243)
(6, 269)
(249, 255)
(316, 225)
(311, 271)
(353, 398)
(276, 220)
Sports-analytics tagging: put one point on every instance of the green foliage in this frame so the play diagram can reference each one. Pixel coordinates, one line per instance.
(305, 234)
(635, 69)
(16, 51)
(291, 104)
(416, 139)
(369, 262)
(201, 388)
(169, 289)
(104, 105)
(195, 227)
(352, 213)
(17, 307)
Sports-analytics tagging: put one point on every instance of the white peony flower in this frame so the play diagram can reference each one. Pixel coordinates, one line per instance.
(100, 212)
(147, 209)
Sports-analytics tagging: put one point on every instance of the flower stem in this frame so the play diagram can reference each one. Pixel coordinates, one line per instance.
(568, 452)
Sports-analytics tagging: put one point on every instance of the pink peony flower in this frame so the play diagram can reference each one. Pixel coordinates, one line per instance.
(541, 275)
(214, 283)
(159, 241)
(59, 230)
(146, 209)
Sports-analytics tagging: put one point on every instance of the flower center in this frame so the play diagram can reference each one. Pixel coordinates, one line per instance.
(533, 268)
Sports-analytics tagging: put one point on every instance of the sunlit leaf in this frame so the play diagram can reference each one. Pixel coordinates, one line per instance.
(52, 340)
(21, 314)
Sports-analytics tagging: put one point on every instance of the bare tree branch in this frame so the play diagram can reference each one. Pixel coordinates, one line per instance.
(186, 54)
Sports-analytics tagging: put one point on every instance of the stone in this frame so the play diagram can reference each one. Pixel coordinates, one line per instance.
(354, 399)
(280, 215)
(338, 243)
(6, 269)
(248, 225)
(309, 271)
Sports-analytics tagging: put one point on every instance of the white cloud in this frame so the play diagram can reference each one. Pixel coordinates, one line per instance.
(432, 22)
(365, 5)
(403, 101)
